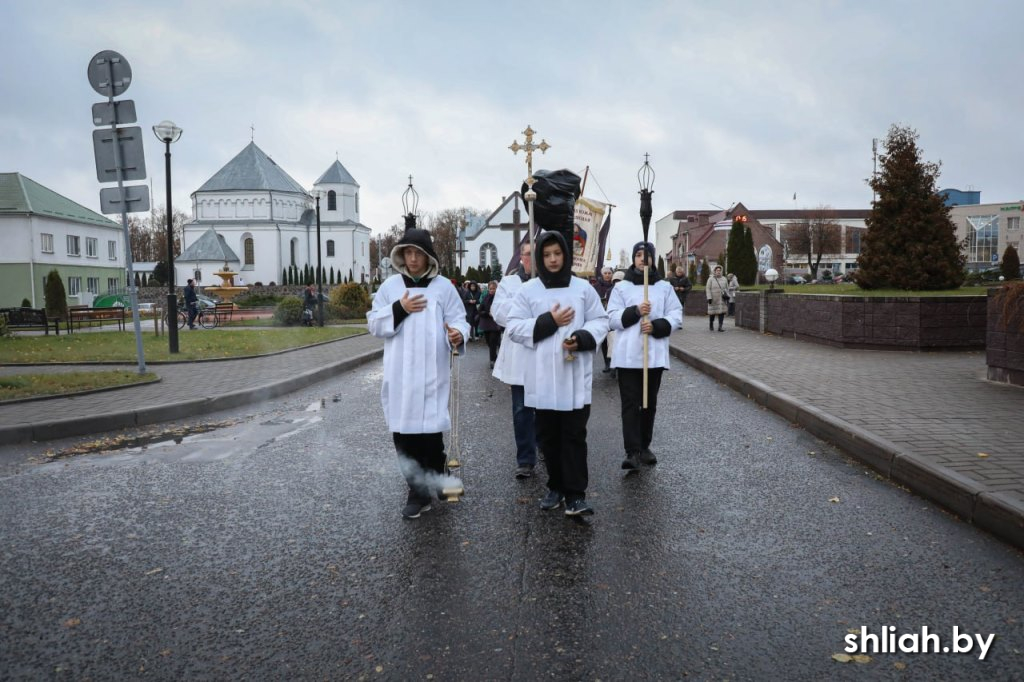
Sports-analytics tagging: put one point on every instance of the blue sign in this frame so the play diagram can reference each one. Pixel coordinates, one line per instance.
(995, 258)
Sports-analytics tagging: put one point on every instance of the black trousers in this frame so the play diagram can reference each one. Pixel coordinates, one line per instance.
(493, 341)
(638, 423)
(427, 451)
(562, 435)
(711, 320)
(604, 353)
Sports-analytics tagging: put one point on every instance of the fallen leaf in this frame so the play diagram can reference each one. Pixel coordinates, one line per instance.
(379, 668)
(165, 652)
(842, 658)
(899, 665)
(854, 631)
(986, 588)
(72, 622)
(982, 454)
(833, 499)
(861, 658)
(154, 571)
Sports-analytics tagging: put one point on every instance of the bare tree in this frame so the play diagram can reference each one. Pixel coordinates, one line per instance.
(815, 236)
(444, 227)
(149, 235)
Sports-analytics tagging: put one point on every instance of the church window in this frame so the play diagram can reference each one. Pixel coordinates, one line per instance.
(488, 255)
(294, 252)
(330, 248)
(250, 251)
(332, 201)
(357, 202)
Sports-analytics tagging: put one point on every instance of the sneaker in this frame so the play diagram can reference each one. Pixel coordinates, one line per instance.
(553, 500)
(524, 472)
(631, 462)
(606, 370)
(720, 329)
(578, 508)
(647, 457)
(415, 505)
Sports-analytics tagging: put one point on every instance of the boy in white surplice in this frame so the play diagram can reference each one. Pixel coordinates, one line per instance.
(560, 320)
(420, 316)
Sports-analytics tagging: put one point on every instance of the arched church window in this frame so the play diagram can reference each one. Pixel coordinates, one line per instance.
(330, 248)
(332, 201)
(294, 252)
(249, 248)
(488, 255)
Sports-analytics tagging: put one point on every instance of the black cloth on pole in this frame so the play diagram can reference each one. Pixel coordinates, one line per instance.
(555, 206)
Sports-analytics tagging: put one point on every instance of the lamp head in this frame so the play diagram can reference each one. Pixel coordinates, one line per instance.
(166, 131)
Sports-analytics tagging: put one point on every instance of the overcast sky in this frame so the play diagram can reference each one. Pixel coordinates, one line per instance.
(734, 100)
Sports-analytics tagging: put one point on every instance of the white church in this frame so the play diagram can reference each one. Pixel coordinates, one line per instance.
(253, 217)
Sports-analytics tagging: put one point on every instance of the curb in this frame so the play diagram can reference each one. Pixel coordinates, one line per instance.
(82, 426)
(997, 513)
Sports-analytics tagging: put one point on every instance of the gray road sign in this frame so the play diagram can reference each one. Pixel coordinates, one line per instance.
(109, 73)
(133, 161)
(136, 199)
(107, 113)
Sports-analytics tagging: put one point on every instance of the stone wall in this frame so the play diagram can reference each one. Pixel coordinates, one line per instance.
(899, 323)
(1004, 346)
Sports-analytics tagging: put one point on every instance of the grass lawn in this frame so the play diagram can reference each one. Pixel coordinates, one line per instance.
(18, 386)
(200, 344)
(269, 322)
(851, 289)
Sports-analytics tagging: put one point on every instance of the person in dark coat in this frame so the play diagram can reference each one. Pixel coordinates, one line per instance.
(603, 285)
(470, 293)
(488, 325)
(191, 303)
(681, 285)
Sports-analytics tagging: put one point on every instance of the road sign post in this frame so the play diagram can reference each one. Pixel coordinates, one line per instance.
(119, 157)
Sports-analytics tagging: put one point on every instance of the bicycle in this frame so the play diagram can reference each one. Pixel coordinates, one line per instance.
(206, 317)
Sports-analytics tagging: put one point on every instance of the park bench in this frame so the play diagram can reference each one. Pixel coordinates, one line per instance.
(29, 318)
(223, 312)
(84, 314)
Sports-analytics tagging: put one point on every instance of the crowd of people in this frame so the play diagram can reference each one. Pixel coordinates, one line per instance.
(542, 326)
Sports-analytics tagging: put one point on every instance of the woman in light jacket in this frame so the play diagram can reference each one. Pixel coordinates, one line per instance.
(717, 293)
(731, 289)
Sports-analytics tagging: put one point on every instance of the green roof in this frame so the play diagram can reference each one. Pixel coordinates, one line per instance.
(19, 194)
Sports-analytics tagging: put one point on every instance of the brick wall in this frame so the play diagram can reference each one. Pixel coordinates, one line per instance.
(1004, 345)
(904, 323)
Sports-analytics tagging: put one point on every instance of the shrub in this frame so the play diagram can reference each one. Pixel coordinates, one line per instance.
(55, 296)
(4, 330)
(340, 312)
(288, 311)
(258, 300)
(352, 296)
(1010, 267)
(25, 303)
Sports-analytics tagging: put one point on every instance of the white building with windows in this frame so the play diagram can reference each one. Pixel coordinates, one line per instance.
(267, 222)
(491, 241)
(988, 229)
(42, 231)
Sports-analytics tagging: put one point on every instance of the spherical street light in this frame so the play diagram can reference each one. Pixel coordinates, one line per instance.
(771, 274)
(167, 133)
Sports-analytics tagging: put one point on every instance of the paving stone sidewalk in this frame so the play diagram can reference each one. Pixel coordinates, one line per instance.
(930, 421)
(184, 390)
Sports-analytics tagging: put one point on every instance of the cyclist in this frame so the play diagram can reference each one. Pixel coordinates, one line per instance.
(191, 303)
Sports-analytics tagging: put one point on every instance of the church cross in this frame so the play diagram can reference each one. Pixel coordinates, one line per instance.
(529, 147)
(252, 131)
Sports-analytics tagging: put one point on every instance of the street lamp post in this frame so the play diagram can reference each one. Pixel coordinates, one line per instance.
(167, 132)
(319, 268)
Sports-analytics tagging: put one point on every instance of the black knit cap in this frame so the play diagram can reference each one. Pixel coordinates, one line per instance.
(640, 246)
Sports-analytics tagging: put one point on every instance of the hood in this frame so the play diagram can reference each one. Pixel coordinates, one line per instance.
(421, 240)
(552, 280)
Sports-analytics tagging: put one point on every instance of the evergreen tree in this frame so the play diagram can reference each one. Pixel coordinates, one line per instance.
(911, 241)
(661, 267)
(496, 272)
(284, 276)
(705, 271)
(1011, 263)
(734, 249)
(55, 296)
(160, 272)
(332, 274)
(746, 267)
(691, 272)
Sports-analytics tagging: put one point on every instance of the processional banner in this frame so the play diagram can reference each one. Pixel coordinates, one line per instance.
(586, 242)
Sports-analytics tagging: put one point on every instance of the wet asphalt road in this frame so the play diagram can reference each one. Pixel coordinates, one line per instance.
(274, 549)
